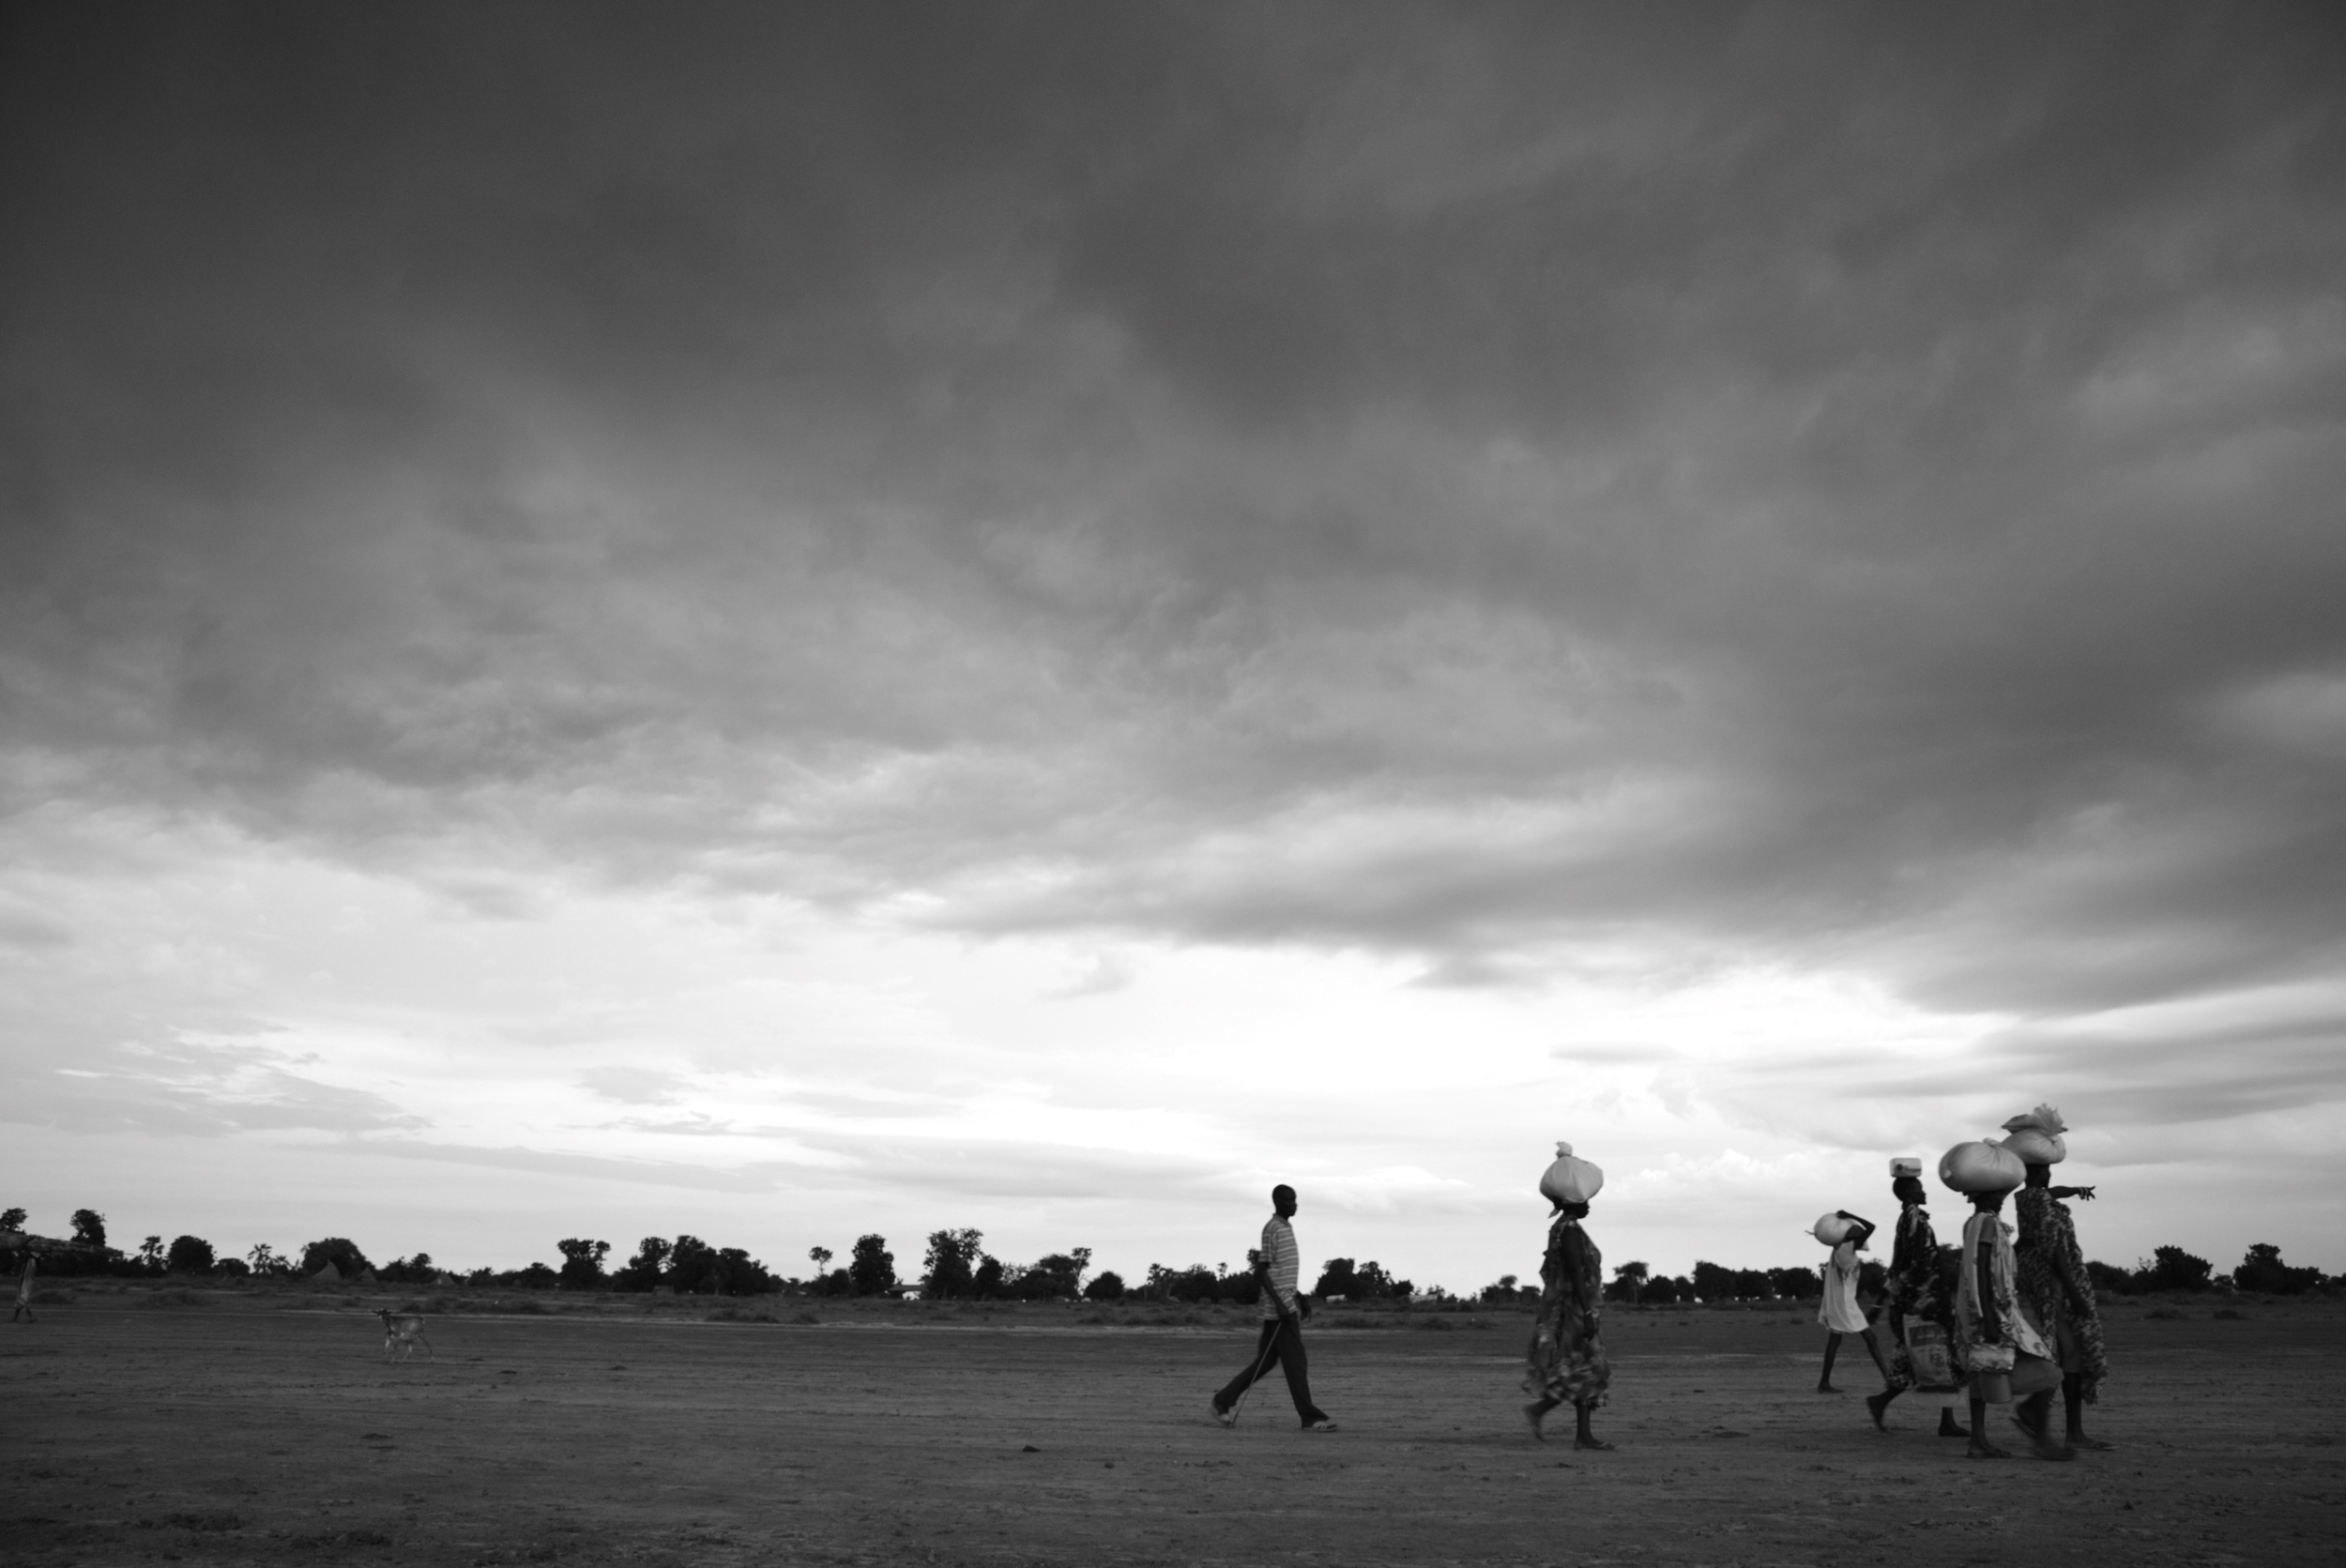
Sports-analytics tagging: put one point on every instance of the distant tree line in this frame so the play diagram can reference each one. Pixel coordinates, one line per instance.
(956, 1267)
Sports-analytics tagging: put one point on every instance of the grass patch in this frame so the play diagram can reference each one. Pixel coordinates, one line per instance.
(218, 1519)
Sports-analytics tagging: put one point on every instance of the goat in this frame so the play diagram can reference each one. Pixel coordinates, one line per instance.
(402, 1330)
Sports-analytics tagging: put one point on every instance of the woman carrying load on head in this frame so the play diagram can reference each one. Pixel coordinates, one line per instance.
(2052, 1279)
(1837, 1309)
(1919, 1308)
(2004, 1354)
(1567, 1358)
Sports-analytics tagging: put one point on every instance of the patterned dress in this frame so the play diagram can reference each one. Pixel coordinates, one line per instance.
(2050, 1262)
(1567, 1359)
(1989, 1331)
(1914, 1292)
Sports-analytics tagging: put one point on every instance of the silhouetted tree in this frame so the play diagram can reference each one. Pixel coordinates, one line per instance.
(11, 1219)
(1662, 1290)
(692, 1267)
(872, 1267)
(581, 1263)
(1335, 1279)
(1108, 1285)
(189, 1255)
(739, 1275)
(1712, 1282)
(151, 1255)
(1801, 1285)
(643, 1271)
(1055, 1275)
(2173, 1269)
(90, 1226)
(949, 1269)
(1503, 1290)
(2262, 1269)
(2109, 1277)
(340, 1251)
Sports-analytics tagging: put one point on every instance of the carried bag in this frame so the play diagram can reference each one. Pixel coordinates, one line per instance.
(1930, 1357)
(1988, 1358)
(2035, 1374)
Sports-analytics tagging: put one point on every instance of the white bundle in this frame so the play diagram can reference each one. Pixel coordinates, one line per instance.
(2036, 1136)
(1570, 1180)
(1832, 1229)
(1981, 1167)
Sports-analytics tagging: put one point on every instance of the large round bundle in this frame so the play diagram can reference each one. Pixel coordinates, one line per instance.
(1832, 1229)
(1570, 1180)
(2038, 1148)
(1981, 1167)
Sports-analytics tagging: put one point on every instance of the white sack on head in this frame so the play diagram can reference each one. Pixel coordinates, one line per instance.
(2035, 1148)
(1570, 1180)
(1832, 1229)
(1981, 1167)
(2037, 1137)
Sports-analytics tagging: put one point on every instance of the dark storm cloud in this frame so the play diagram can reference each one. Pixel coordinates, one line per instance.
(1518, 486)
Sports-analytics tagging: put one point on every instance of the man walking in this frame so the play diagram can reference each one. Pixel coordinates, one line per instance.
(1282, 1311)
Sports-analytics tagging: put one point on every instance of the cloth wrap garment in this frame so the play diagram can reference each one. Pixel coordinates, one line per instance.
(1914, 1295)
(2051, 1265)
(1993, 1333)
(1567, 1362)
(1837, 1308)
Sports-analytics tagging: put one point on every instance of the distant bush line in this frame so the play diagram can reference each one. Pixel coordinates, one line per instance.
(956, 1267)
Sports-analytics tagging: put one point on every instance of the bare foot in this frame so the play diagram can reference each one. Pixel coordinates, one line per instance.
(1950, 1427)
(1596, 1445)
(1531, 1416)
(1982, 1449)
(1876, 1404)
(1827, 1388)
(2094, 1445)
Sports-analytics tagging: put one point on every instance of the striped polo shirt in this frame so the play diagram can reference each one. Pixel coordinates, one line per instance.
(1280, 1264)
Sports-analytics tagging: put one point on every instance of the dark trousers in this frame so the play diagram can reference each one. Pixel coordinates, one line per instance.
(1281, 1342)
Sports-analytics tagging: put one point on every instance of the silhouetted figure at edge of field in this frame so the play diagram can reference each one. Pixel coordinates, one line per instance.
(1567, 1360)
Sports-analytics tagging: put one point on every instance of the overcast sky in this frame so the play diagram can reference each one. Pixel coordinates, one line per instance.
(778, 624)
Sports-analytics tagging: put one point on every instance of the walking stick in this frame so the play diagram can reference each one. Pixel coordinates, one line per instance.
(1260, 1362)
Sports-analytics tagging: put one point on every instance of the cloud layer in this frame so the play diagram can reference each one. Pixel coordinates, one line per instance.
(1527, 497)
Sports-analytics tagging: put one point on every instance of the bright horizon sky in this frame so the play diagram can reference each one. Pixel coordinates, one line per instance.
(780, 625)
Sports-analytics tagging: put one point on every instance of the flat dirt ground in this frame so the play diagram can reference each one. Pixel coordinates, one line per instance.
(257, 1428)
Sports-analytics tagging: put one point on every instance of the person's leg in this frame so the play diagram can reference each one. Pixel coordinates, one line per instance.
(2073, 1406)
(1980, 1447)
(1298, 1368)
(1536, 1412)
(1948, 1426)
(1881, 1357)
(1832, 1349)
(1266, 1343)
(2033, 1416)
(1582, 1437)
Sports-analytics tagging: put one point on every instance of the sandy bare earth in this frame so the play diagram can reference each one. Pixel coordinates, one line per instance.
(269, 1430)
